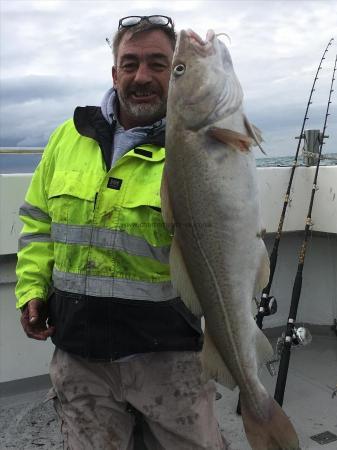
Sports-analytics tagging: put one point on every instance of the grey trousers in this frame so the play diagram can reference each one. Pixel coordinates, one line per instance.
(91, 399)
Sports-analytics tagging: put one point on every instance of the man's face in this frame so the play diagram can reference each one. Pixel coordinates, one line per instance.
(142, 77)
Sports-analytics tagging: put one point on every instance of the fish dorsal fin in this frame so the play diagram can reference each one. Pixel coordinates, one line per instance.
(213, 366)
(255, 133)
(262, 276)
(235, 139)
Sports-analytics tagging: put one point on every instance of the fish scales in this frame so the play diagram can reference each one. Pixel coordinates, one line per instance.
(216, 213)
(210, 194)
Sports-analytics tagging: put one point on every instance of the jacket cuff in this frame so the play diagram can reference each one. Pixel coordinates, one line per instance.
(31, 295)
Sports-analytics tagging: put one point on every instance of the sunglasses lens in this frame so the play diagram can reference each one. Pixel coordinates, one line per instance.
(130, 21)
(159, 20)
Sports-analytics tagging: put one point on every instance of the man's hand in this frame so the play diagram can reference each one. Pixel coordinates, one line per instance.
(34, 320)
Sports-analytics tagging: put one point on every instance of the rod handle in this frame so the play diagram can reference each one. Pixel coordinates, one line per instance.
(282, 373)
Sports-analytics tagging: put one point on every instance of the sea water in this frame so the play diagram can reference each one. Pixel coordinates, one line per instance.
(27, 163)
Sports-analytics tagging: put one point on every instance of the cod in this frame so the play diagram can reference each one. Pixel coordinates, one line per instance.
(210, 201)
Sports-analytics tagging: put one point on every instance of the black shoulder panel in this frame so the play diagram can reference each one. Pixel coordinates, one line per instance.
(89, 122)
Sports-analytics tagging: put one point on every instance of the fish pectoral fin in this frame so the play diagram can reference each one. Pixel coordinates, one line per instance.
(181, 280)
(213, 364)
(272, 432)
(255, 133)
(166, 209)
(232, 138)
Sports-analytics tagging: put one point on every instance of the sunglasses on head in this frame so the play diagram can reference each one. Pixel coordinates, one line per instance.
(131, 21)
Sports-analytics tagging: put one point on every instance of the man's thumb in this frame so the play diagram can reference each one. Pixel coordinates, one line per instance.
(33, 313)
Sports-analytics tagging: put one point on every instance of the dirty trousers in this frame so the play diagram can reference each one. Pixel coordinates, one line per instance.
(165, 387)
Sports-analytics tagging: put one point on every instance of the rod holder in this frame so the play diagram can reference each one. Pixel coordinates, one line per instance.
(312, 142)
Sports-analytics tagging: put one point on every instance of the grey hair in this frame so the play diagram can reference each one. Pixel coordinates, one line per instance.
(142, 26)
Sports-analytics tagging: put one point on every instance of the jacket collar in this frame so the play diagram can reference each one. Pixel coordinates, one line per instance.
(89, 122)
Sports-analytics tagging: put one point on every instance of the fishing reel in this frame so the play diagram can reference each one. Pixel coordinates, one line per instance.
(267, 305)
(271, 306)
(301, 337)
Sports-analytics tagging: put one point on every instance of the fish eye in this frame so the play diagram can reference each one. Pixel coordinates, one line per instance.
(179, 69)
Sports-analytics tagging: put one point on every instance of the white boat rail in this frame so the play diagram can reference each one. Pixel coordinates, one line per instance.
(19, 150)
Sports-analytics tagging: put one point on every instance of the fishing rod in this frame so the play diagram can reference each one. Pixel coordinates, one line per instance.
(291, 336)
(267, 305)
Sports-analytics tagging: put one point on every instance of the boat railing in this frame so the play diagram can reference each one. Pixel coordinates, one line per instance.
(314, 155)
(20, 150)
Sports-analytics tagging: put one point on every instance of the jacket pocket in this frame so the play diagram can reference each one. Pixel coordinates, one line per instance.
(71, 196)
(144, 191)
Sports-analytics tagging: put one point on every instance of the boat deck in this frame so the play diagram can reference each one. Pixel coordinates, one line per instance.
(28, 423)
(308, 397)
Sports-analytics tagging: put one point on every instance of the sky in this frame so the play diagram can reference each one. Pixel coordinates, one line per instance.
(54, 57)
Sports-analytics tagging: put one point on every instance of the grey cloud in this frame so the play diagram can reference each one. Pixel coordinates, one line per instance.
(33, 106)
(43, 87)
(34, 87)
(54, 57)
(279, 128)
(31, 126)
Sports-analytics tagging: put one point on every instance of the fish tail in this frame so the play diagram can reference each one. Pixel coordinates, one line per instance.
(274, 432)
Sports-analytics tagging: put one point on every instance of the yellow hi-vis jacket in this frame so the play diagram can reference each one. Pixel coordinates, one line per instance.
(91, 231)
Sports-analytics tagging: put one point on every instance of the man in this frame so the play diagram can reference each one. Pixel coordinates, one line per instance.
(93, 232)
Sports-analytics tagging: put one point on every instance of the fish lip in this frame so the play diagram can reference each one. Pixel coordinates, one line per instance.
(193, 35)
(210, 36)
(205, 47)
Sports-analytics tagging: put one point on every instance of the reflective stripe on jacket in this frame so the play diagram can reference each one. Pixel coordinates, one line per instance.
(92, 231)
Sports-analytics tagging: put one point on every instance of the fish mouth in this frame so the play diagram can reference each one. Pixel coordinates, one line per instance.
(194, 36)
(202, 47)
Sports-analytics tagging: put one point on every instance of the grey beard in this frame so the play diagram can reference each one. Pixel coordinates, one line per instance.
(144, 112)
